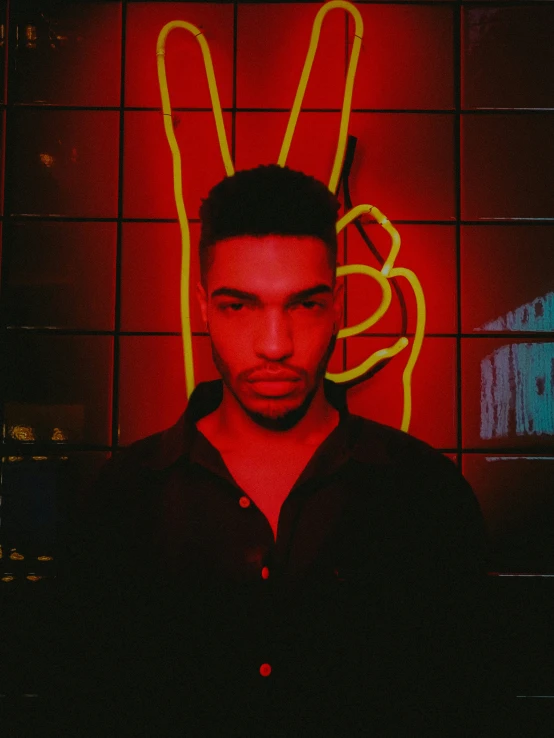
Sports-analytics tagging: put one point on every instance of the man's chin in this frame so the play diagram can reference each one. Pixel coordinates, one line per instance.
(278, 413)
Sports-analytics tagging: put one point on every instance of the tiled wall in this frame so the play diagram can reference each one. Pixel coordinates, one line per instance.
(453, 109)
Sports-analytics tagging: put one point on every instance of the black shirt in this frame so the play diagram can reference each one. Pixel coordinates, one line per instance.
(180, 615)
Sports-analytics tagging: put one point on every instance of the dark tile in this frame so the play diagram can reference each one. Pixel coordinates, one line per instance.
(508, 56)
(66, 53)
(63, 162)
(507, 166)
(507, 278)
(515, 495)
(58, 388)
(60, 275)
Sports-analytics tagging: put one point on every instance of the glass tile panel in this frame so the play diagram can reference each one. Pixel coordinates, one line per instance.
(2, 157)
(58, 388)
(66, 53)
(508, 393)
(63, 162)
(507, 166)
(60, 275)
(515, 495)
(273, 40)
(433, 388)
(3, 48)
(186, 76)
(507, 278)
(430, 252)
(148, 167)
(508, 56)
(151, 277)
(152, 392)
(406, 60)
(404, 164)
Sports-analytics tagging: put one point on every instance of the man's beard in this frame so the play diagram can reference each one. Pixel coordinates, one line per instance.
(287, 419)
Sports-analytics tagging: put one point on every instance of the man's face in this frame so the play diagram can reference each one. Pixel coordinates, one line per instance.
(274, 330)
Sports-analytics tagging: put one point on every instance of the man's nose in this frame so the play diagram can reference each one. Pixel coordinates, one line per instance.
(274, 336)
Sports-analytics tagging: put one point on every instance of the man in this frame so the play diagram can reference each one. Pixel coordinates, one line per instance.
(273, 565)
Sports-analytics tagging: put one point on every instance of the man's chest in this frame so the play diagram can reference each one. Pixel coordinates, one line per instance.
(267, 481)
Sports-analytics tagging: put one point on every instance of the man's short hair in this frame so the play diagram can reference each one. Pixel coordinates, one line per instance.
(267, 200)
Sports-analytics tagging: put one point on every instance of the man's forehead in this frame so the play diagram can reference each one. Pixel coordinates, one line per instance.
(270, 267)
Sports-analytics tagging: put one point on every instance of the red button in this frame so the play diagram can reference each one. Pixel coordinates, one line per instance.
(265, 572)
(265, 669)
(244, 502)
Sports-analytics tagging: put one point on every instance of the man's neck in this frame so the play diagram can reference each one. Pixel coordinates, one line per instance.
(234, 431)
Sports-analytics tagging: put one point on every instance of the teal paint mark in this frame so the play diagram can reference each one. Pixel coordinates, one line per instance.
(534, 316)
(517, 391)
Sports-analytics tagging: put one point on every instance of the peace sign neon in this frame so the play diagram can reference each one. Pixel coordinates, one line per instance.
(382, 277)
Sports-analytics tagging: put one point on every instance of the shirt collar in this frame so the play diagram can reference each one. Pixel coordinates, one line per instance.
(179, 439)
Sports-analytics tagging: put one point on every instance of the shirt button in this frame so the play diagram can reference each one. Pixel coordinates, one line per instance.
(265, 669)
(265, 572)
(244, 502)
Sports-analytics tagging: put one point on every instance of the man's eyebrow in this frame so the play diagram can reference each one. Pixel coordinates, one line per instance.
(302, 295)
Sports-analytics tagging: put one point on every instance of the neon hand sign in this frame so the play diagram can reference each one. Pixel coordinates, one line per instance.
(388, 270)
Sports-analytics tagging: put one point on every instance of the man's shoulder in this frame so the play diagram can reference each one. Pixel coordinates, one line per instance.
(410, 465)
(143, 448)
(374, 442)
(131, 461)
(378, 441)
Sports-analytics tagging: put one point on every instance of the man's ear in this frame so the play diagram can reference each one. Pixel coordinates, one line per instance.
(202, 301)
(338, 302)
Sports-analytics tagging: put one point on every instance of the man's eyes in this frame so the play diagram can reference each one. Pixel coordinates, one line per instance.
(231, 305)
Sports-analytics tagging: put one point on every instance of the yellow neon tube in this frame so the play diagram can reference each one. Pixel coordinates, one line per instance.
(418, 340)
(347, 99)
(177, 180)
(384, 222)
(387, 271)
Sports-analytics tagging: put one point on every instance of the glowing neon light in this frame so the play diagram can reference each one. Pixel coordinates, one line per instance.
(517, 389)
(177, 182)
(347, 99)
(388, 271)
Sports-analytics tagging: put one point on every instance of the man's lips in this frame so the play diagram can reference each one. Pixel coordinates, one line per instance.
(274, 378)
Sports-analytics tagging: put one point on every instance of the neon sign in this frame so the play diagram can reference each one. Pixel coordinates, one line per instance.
(383, 276)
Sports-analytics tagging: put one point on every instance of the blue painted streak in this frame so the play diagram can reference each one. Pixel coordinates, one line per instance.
(517, 391)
